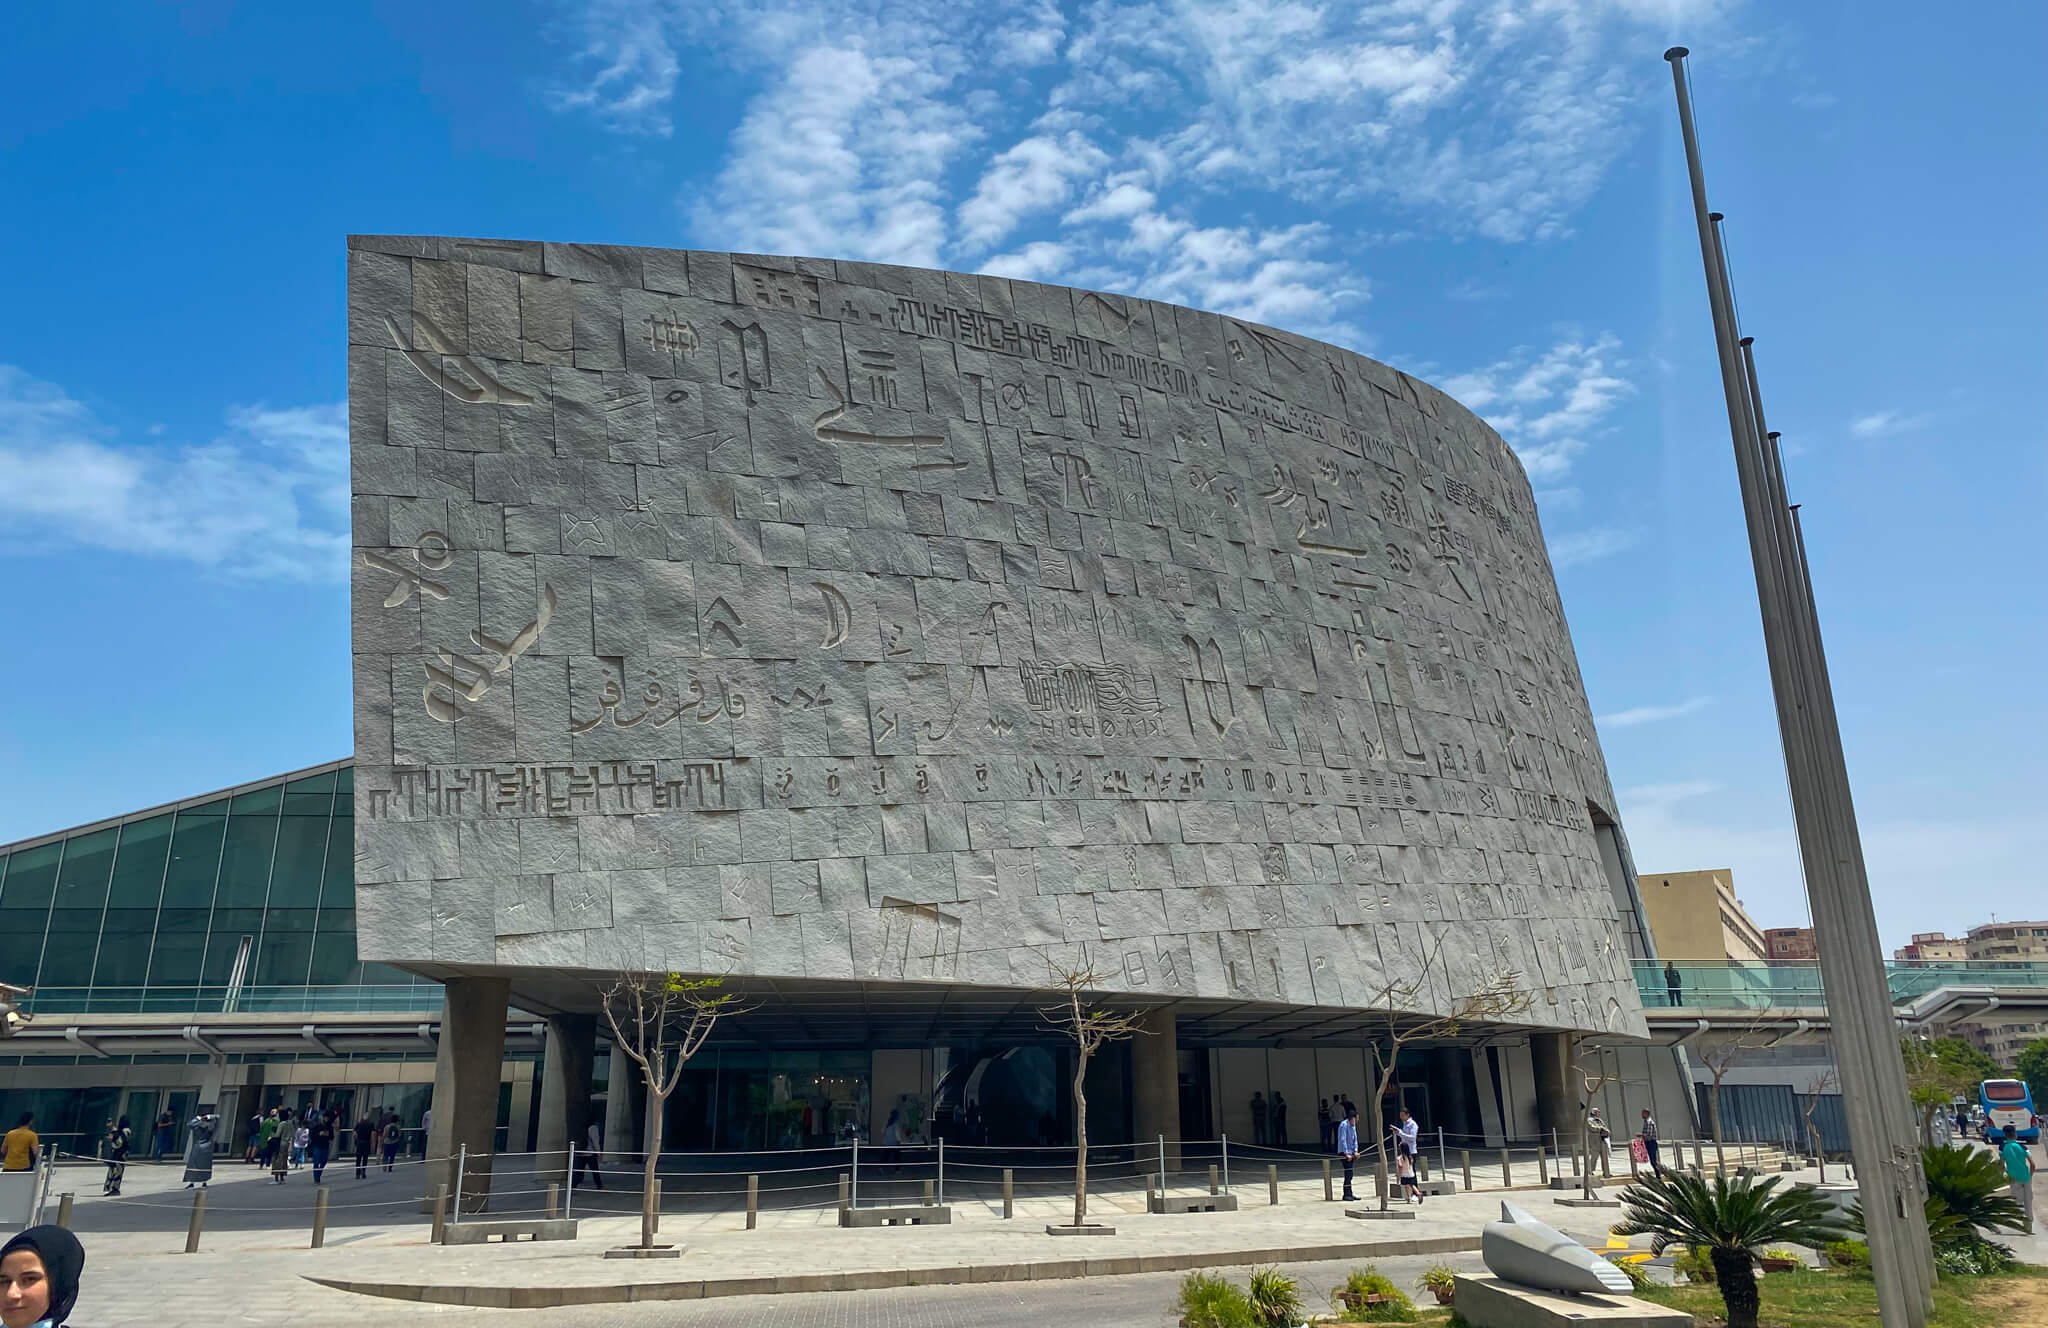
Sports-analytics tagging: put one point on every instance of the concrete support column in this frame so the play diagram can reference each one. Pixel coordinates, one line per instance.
(467, 1071)
(1452, 1100)
(625, 1110)
(1155, 1088)
(565, 1070)
(1550, 1055)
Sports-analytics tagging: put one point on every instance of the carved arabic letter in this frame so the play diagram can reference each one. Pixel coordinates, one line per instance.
(839, 615)
(607, 704)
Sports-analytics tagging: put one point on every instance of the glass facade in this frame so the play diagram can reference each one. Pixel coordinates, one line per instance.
(250, 890)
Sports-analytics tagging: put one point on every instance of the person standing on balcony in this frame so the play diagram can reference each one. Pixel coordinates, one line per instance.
(1673, 987)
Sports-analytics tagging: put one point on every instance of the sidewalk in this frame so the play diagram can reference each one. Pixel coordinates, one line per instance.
(254, 1255)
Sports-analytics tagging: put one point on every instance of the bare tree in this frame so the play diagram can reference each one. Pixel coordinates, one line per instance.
(1720, 1057)
(1090, 1028)
(1589, 1084)
(661, 1020)
(1825, 1081)
(1399, 1008)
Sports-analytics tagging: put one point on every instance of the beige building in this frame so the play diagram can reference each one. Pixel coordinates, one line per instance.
(2009, 942)
(1695, 915)
(1790, 943)
(1933, 947)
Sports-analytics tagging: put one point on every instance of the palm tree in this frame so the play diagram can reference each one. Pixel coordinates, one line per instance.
(1732, 1221)
(1969, 1185)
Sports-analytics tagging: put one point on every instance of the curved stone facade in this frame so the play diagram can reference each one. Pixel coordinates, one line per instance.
(718, 612)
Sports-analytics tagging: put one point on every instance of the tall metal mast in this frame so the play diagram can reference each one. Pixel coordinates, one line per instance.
(1860, 1012)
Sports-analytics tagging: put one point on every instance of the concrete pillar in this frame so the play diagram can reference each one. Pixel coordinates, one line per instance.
(1452, 1097)
(467, 1071)
(1155, 1088)
(625, 1109)
(1550, 1054)
(565, 1071)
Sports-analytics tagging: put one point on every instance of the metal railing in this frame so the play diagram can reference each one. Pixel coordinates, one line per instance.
(1796, 984)
(423, 997)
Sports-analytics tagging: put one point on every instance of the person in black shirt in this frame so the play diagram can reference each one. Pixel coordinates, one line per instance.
(320, 1141)
(366, 1144)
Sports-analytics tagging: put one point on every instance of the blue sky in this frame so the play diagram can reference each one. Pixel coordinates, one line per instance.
(1488, 194)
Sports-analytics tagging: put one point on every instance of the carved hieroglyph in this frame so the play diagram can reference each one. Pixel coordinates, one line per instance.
(717, 612)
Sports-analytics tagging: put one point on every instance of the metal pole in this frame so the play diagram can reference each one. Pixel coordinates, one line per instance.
(1443, 1159)
(461, 1165)
(192, 1228)
(1831, 852)
(1162, 1164)
(942, 1171)
(1009, 1192)
(1226, 1164)
(569, 1197)
(854, 1202)
(753, 1200)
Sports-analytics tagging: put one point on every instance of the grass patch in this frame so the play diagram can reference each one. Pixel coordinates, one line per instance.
(1836, 1299)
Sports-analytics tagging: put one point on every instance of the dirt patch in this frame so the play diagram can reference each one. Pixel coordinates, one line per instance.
(2017, 1294)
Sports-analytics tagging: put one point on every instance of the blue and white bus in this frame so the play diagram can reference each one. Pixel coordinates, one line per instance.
(2009, 1106)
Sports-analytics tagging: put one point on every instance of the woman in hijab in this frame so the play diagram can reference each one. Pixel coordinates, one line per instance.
(199, 1150)
(39, 1271)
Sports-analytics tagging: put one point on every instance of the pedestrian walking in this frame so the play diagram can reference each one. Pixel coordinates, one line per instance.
(22, 1145)
(366, 1144)
(266, 1138)
(199, 1139)
(320, 1143)
(590, 1157)
(280, 1152)
(1347, 1145)
(1278, 1138)
(166, 1135)
(1258, 1118)
(119, 1140)
(2019, 1175)
(1404, 1168)
(39, 1272)
(1324, 1127)
(302, 1139)
(1649, 1138)
(392, 1135)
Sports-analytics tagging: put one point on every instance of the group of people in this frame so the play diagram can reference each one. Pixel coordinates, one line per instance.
(282, 1139)
(1404, 1137)
(1269, 1120)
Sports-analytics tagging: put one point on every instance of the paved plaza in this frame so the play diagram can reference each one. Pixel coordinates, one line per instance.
(255, 1252)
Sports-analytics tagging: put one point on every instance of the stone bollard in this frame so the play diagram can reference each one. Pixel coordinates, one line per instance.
(198, 1221)
(1542, 1166)
(1422, 1166)
(64, 1209)
(753, 1201)
(1212, 1179)
(1151, 1189)
(927, 1194)
(1507, 1171)
(1465, 1162)
(1329, 1189)
(1272, 1185)
(1009, 1192)
(554, 1200)
(657, 1203)
(320, 1217)
(440, 1214)
(1379, 1180)
(844, 1182)
(1699, 1156)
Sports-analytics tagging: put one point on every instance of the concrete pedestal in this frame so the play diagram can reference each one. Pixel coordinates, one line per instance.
(1488, 1302)
(565, 1091)
(467, 1071)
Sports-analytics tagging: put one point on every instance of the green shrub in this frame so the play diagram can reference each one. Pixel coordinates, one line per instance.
(1638, 1276)
(1974, 1256)
(1212, 1302)
(1275, 1299)
(1370, 1281)
(1694, 1266)
(1847, 1253)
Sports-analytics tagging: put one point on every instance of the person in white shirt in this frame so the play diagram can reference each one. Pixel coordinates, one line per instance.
(1409, 1131)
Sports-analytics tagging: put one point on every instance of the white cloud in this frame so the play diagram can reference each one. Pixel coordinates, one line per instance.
(1584, 546)
(1034, 262)
(1547, 405)
(1886, 424)
(623, 68)
(267, 498)
(1622, 719)
(1036, 175)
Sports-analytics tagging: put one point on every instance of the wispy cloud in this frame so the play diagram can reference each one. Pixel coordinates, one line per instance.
(1210, 152)
(268, 498)
(1622, 719)
(1887, 424)
(1548, 404)
(1578, 547)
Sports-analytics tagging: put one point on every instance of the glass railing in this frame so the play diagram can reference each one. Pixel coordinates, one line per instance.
(1795, 984)
(421, 997)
